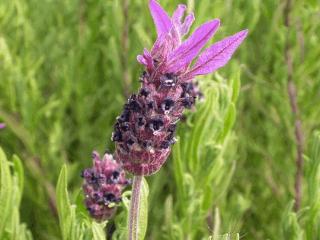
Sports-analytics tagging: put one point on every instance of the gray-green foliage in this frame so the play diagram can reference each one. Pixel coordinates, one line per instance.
(74, 225)
(305, 224)
(11, 188)
(312, 199)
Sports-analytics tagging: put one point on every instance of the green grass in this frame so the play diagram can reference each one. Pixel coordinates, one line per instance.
(64, 72)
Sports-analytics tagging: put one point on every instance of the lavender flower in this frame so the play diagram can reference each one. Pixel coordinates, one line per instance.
(2, 125)
(145, 130)
(103, 185)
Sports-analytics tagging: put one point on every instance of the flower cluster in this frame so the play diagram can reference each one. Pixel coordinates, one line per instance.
(103, 185)
(145, 130)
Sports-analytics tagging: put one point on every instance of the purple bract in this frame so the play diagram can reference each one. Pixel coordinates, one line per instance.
(145, 130)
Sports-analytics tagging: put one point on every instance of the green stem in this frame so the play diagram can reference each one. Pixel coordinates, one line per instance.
(134, 208)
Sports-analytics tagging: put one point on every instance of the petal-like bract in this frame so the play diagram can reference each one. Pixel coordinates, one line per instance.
(178, 13)
(182, 27)
(217, 55)
(160, 17)
(185, 27)
(189, 49)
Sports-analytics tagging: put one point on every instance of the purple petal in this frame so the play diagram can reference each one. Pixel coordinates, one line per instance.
(165, 44)
(175, 39)
(146, 59)
(142, 60)
(2, 125)
(217, 55)
(184, 29)
(160, 17)
(178, 13)
(160, 48)
(158, 45)
(147, 56)
(189, 49)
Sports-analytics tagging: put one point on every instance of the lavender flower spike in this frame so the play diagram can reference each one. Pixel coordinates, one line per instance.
(103, 185)
(145, 130)
(2, 125)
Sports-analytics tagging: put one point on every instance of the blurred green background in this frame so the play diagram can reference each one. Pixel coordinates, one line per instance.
(67, 66)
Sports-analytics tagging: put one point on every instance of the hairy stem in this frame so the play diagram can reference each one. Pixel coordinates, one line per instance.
(292, 92)
(134, 208)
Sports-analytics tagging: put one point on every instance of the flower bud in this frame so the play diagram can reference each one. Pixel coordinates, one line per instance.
(102, 186)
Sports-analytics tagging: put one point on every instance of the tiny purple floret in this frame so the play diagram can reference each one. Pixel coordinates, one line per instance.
(2, 125)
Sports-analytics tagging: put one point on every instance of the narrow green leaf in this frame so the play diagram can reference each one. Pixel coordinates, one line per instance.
(217, 222)
(229, 121)
(139, 220)
(226, 236)
(125, 200)
(235, 87)
(178, 168)
(290, 225)
(313, 176)
(98, 231)
(6, 192)
(168, 210)
(19, 173)
(143, 210)
(63, 204)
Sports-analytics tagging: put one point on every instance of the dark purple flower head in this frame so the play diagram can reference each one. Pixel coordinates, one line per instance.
(2, 125)
(145, 131)
(103, 185)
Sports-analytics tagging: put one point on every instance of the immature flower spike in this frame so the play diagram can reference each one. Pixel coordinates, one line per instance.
(102, 187)
(145, 131)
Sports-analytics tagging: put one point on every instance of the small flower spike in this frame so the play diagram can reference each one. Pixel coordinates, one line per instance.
(2, 125)
(102, 187)
(145, 130)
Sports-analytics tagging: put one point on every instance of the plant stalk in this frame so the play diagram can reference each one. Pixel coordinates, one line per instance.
(292, 92)
(134, 208)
